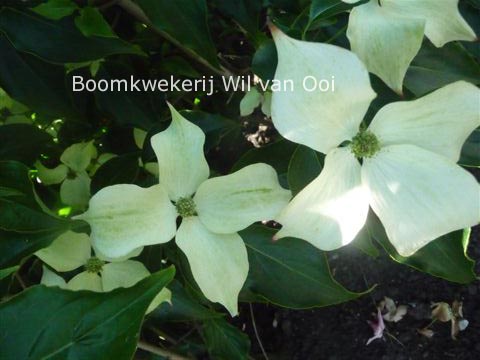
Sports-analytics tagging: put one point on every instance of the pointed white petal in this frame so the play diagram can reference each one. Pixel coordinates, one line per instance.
(444, 22)
(320, 120)
(419, 195)
(105, 258)
(384, 41)
(219, 262)
(49, 278)
(439, 122)
(76, 192)
(332, 209)
(126, 217)
(123, 274)
(179, 150)
(250, 102)
(51, 176)
(85, 281)
(78, 156)
(227, 204)
(67, 252)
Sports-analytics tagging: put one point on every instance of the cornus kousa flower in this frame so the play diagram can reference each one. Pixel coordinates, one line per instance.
(125, 217)
(403, 165)
(387, 34)
(71, 251)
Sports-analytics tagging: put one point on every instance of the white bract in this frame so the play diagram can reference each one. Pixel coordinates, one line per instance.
(408, 173)
(71, 251)
(125, 217)
(387, 34)
(72, 173)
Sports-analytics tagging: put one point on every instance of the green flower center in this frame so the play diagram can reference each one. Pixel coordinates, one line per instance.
(94, 265)
(186, 207)
(365, 144)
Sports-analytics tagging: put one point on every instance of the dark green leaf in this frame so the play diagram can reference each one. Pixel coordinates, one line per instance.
(16, 180)
(224, 341)
(91, 23)
(265, 60)
(185, 22)
(435, 67)
(183, 308)
(471, 150)
(39, 85)
(326, 8)
(364, 242)
(56, 9)
(119, 170)
(305, 165)
(22, 142)
(77, 324)
(245, 12)
(128, 108)
(28, 33)
(290, 272)
(444, 257)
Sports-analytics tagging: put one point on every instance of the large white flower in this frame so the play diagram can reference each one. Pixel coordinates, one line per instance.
(408, 172)
(71, 251)
(387, 34)
(125, 217)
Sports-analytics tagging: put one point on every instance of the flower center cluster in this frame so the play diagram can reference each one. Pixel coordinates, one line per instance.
(365, 144)
(94, 265)
(186, 207)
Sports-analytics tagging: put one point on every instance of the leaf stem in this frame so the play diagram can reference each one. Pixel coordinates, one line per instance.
(137, 12)
(157, 351)
(256, 333)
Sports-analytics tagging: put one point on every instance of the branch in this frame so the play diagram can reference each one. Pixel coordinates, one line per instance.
(157, 351)
(137, 12)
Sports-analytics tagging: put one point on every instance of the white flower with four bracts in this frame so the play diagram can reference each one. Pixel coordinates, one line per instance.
(387, 34)
(125, 217)
(71, 251)
(403, 165)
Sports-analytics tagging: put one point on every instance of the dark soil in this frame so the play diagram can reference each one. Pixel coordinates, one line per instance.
(341, 332)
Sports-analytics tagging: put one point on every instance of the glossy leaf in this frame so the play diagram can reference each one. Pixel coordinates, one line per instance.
(245, 12)
(470, 155)
(290, 272)
(22, 142)
(81, 325)
(33, 82)
(305, 165)
(189, 30)
(444, 257)
(122, 169)
(28, 33)
(56, 9)
(224, 341)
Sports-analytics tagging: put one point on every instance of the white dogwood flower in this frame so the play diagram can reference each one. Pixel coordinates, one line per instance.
(387, 34)
(125, 217)
(408, 172)
(71, 251)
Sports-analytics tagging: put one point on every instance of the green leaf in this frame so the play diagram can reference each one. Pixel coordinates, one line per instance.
(327, 8)
(122, 169)
(224, 341)
(305, 165)
(444, 257)
(265, 60)
(471, 150)
(91, 23)
(22, 142)
(24, 227)
(183, 308)
(245, 12)
(56, 9)
(185, 24)
(364, 242)
(33, 34)
(276, 155)
(435, 67)
(8, 271)
(39, 85)
(138, 109)
(77, 324)
(290, 272)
